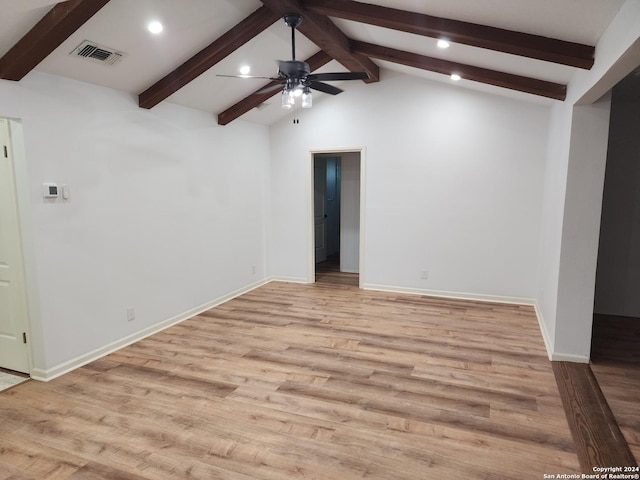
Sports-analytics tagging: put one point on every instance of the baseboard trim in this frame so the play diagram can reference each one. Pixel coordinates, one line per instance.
(454, 295)
(275, 278)
(548, 344)
(58, 370)
(553, 355)
(66, 367)
(568, 357)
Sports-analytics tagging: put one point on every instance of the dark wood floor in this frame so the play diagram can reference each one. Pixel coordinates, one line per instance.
(615, 356)
(598, 438)
(304, 382)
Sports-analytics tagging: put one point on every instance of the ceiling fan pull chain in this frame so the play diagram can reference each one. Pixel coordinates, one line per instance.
(296, 118)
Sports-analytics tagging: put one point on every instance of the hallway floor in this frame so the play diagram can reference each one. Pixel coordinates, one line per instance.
(329, 272)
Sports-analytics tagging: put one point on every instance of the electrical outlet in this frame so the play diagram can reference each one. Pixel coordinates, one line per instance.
(131, 314)
(424, 274)
(253, 269)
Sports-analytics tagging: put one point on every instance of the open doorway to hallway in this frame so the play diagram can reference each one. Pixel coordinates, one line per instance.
(616, 327)
(336, 209)
(615, 339)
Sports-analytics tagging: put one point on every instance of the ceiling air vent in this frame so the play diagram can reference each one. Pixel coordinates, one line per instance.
(98, 53)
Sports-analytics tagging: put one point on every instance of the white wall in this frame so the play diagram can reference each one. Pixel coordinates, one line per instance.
(453, 185)
(618, 273)
(555, 180)
(573, 191)
(166, 212)
(581, 229)
(570, 226)
(350, 213)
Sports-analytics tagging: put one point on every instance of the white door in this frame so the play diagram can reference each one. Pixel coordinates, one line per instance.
(13, 305)
(319, 192)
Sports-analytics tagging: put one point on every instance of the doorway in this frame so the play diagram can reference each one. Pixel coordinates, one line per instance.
(14, 354)
(616, 321)
(337, 217)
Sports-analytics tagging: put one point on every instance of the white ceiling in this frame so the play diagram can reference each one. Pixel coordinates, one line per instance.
(190, 25)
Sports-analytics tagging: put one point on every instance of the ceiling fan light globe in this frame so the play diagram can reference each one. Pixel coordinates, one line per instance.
(288, 100)
(307, 101)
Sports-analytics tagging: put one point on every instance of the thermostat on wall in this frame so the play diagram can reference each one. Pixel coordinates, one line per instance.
(50, 190)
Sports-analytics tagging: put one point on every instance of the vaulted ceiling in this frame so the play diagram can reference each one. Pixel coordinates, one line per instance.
(524, 48)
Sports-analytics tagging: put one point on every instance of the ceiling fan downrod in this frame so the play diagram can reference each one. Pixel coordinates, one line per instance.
(293, 20)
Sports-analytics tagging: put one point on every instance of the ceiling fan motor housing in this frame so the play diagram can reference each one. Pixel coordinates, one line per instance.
(293, 20)
(294, 68)
(295, 72)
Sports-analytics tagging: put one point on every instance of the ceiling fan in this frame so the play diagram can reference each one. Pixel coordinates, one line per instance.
(296, 76)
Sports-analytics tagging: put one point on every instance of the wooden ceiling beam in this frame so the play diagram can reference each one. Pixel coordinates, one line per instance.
(329, 38)
(507, 41)
(256, 98)
(468, 72)
(240, 34)
(47, 35)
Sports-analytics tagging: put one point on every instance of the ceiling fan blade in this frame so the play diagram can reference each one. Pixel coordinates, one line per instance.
(338, 76)
(247, 76)
(324, 87)
(271, 88)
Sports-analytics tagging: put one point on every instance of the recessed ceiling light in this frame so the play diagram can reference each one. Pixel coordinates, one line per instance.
(155, 27)
(245, 69)
(455, 77)
(443, 44)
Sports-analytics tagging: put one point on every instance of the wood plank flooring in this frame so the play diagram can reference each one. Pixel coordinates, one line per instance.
(304, 382)
(615, 356)
(599, 441)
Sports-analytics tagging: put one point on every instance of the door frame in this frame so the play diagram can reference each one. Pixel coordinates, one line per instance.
(311, 266)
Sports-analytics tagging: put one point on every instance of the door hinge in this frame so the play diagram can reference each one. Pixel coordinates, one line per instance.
(24, 337)
(6, 152)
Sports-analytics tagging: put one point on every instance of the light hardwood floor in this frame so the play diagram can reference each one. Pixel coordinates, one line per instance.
(304, 382)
